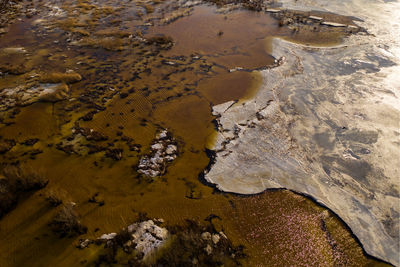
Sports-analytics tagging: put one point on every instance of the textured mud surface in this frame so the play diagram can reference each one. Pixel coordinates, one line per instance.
(109, 103)
(325, 123)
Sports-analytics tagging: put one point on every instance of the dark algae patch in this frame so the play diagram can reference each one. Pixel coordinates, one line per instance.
(86, 90)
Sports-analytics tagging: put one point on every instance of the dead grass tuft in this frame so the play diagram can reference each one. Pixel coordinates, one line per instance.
(66, 222)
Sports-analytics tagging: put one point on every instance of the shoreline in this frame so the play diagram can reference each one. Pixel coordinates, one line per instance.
(323, 132)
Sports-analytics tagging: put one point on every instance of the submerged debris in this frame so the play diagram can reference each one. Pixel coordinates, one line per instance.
(163, 151)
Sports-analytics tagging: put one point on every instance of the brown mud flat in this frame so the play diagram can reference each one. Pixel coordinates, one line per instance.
(131, 85)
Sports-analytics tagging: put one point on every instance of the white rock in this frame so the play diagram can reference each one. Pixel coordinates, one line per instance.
(14, 50)
(208, 249)
(315, 18)
(84, 243)
(273, 10)
(171, 149)
(215, 238)
(162, 134)
(206, 236)
(333, 24)
(157, 146)
(223, 235)
(147, 236)
(108, 236)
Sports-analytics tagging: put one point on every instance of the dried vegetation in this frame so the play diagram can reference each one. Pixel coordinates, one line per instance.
(66, 222)
(16, 184)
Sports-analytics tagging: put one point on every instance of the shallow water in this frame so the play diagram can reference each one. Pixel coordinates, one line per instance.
(134, 92)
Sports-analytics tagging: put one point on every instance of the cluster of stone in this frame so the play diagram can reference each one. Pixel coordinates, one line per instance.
(163, 151)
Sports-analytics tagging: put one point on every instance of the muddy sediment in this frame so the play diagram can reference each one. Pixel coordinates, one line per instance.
(89, 91)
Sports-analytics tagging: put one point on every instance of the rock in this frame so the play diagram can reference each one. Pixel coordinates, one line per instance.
(215, 238)
(236, 69)
(53, 92)
(147, 236)
(23, 96)
(157, 146)
(169, 63)
(144, 237)
(273, 10)
(223, 235)
(191, 3)
(353, 27)
(163, 151)
(315, 18)
(107, 236)
(208, 249)
(163, 134)
(84, 243)
(206, 236)
(171, 149)
(14, 50)
(333, 24)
